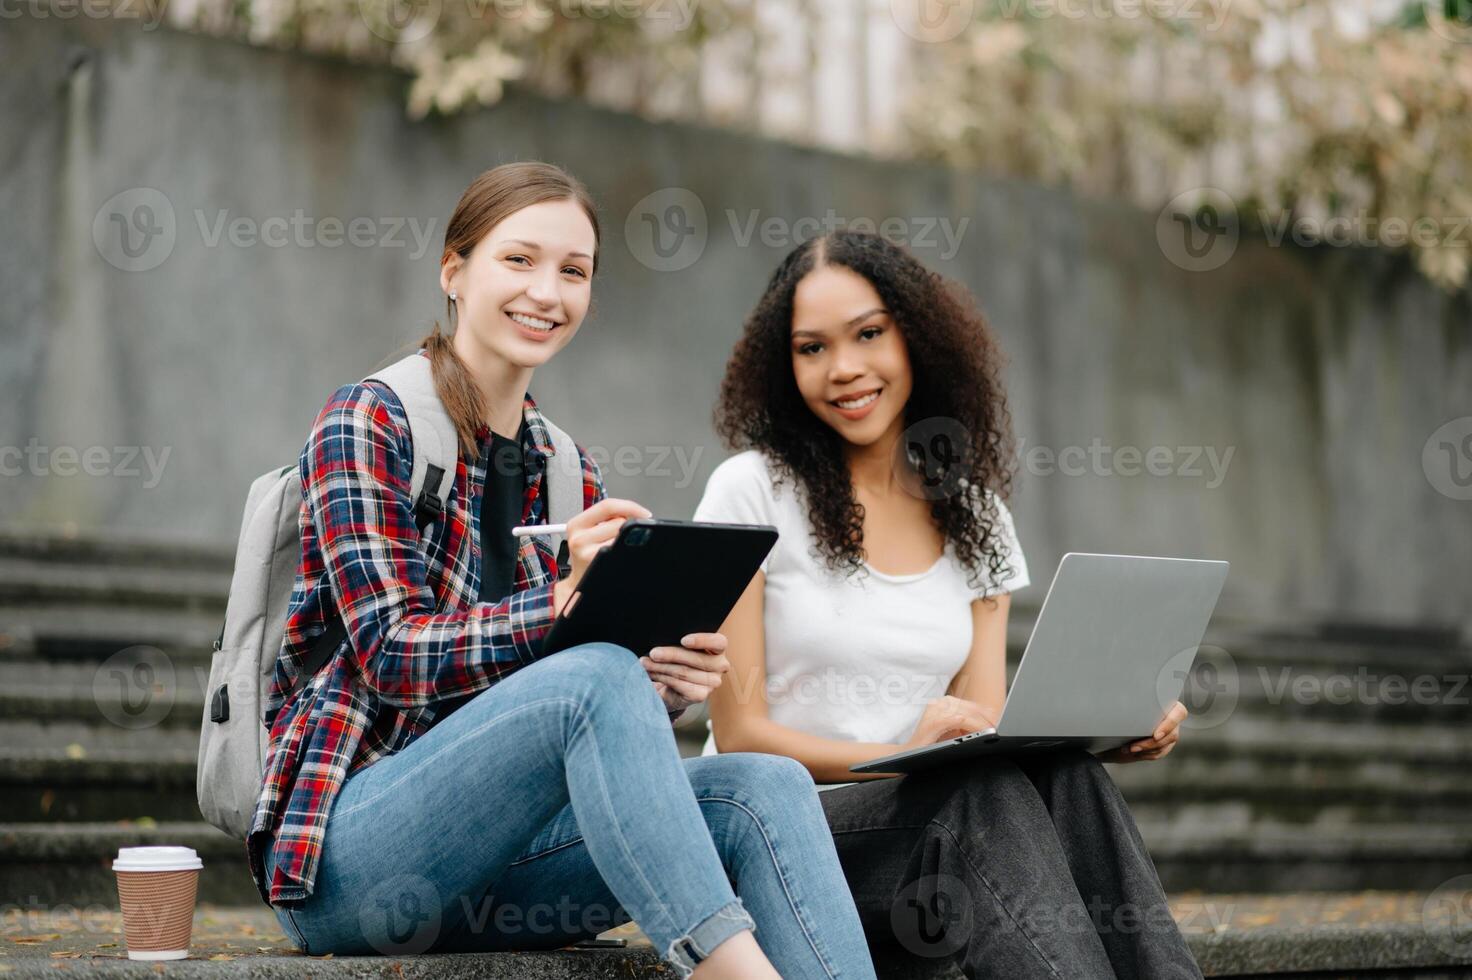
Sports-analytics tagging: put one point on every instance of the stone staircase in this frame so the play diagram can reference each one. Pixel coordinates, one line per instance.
(104, 656)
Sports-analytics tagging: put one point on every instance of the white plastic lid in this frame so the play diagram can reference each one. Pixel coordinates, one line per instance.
(161, 858)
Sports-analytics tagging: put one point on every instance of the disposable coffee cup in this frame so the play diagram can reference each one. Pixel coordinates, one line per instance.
(156, 887)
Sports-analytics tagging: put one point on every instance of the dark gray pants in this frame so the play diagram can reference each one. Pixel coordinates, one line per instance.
(1014, 868)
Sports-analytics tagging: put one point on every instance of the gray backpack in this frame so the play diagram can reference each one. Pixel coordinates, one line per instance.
(233, 738)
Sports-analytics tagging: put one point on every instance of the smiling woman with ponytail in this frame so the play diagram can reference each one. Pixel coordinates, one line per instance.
(440, 781)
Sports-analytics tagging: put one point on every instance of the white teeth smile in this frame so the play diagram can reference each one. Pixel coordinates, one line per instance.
(858, 402)
(530, 321)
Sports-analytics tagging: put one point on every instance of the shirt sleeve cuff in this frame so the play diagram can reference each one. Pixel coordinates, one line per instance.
(531, 614)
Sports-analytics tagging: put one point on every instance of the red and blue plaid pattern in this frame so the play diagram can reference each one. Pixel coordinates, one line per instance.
(418, 637)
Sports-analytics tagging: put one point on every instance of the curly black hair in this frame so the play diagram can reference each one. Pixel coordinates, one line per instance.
(955, 363)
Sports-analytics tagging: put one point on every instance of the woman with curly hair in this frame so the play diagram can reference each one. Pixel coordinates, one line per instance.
(864, 400)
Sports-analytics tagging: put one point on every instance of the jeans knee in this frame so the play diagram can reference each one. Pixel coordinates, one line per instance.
(774, 779)
(1079, 764)
(606, 675)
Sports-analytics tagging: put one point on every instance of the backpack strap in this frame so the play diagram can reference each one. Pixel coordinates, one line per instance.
(432, 434)
(434, 447)
(564, 484)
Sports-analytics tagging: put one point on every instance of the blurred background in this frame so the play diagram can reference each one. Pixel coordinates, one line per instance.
(1225, 245)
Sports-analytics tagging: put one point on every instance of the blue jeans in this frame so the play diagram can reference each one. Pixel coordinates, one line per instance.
(554, 805)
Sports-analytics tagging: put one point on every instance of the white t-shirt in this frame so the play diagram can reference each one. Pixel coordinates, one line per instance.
(854, 657)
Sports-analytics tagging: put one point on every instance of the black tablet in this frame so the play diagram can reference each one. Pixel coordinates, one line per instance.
(661, 581)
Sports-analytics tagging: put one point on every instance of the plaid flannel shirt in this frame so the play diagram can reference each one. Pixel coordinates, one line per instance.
(418, 641)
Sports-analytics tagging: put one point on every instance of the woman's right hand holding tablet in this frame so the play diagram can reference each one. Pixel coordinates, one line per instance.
(945, 718)
(589, 533)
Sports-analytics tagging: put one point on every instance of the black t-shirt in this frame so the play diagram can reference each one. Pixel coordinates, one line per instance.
(500, 511)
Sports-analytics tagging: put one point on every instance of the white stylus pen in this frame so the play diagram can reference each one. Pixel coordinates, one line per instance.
(528, 530)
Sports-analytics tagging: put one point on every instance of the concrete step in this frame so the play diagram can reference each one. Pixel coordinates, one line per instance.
(50, 864)
(1283, 858)
(114, 550)
(101, 700)
(29, 580)
(52, 762)
(1386, 936)
(1203, 847)
(81, 631)
(71, 786)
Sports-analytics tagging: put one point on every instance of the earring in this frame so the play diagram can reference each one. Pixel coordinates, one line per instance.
(454, 311)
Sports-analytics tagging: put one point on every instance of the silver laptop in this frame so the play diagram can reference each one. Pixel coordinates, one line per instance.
(1109, 654)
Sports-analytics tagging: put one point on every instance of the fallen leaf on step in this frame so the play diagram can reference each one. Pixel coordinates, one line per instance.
(75, 751)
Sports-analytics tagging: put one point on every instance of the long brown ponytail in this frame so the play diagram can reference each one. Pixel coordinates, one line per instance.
(490, 198)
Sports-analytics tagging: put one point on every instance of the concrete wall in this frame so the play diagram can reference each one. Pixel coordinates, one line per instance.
(1323, 373)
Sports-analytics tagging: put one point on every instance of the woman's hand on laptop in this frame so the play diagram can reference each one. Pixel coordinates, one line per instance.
(685, 675)
(1158, 746)
(948, 717)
